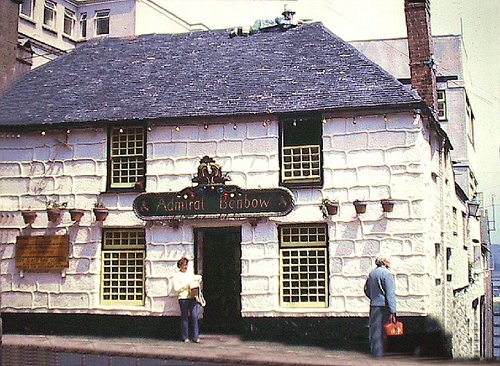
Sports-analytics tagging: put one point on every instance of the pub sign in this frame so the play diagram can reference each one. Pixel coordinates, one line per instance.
(212, 198)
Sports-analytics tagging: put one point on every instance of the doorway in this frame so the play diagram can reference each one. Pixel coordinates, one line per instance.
(218, 259)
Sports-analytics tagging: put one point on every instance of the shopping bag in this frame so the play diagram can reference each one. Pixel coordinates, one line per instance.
(394, 329)
(197, 294)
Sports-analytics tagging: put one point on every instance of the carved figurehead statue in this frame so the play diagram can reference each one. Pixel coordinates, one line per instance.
(209, 172)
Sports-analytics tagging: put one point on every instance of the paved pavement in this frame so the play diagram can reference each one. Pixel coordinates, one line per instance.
(213, 349)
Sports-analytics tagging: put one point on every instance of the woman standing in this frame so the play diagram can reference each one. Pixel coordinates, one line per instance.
(184, 281)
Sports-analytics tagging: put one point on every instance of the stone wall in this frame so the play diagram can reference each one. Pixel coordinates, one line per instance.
(369, 158)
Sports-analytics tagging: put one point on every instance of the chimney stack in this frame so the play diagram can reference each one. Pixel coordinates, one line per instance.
(421, 50)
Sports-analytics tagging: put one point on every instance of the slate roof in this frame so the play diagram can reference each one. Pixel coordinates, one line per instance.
(202, 74)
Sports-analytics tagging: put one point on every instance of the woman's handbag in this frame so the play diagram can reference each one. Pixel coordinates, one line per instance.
(394, 329)
(197, 294)
(199, 298)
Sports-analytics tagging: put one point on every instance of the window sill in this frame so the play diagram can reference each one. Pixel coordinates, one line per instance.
(125, 190)
(69, 38)
(27, 19)
(304, 184)
(121, 307)
(48, 29)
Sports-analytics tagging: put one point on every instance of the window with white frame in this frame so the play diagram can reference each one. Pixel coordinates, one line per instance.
(301, 150)
(101, 22)
(83, 25)
(441, 101)
(69, 22)
(303, 266)
(123, 254)
(26, 8)
(49, 14)
(127, 156)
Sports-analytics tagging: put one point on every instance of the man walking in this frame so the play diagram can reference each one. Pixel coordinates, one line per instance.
(379, 288)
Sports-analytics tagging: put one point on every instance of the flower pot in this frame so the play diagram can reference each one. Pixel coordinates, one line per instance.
(54, 214)
(387, 205)
(76, 214)
(29, 217)
(139, 185)
(360, 207)
(101, 213)
(332, 209)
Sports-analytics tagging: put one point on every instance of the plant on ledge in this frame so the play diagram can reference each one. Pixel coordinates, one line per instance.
(54, 209)
(100, 211)
(328, 207)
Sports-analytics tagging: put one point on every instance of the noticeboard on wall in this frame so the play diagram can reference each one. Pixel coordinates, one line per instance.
(42, 253)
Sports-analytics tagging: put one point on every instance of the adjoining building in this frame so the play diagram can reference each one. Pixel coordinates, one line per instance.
(15, 57)
(456, 117)
(57, 27)
(281, 163)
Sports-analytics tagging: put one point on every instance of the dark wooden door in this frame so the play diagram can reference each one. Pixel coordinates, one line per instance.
(219, 260)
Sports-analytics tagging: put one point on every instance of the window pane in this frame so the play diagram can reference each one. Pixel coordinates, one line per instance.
(27, 8)
(123, 259)
(301, 163)
(301, 150)
(49, 14)
(441, 94)
(102, 22)
(304, 282)
(83, 25)
(69, 22)
(127, 156)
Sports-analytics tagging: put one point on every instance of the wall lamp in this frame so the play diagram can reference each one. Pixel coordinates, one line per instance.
(472, 208)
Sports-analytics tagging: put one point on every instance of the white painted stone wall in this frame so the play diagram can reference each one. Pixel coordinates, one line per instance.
(452, 298)
(369, 160)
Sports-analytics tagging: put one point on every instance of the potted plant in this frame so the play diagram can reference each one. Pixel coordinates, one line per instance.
(359, 206)
(29, 216)
(328, 207)
(140, 185)
(387, 205)
(100, 211)
(76, 214)
(54, 210)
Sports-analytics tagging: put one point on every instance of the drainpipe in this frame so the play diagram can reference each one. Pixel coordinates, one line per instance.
(442, 184)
